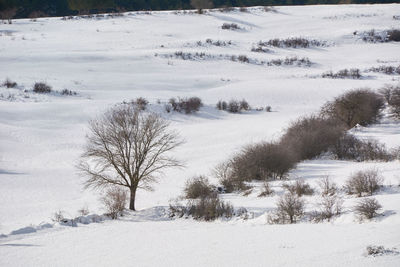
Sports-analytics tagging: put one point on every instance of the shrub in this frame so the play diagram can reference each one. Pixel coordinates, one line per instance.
(244, 105)
(266, 190)
(367, 181)
(392, 96)
(208, 209)
(222, 105)
(187, 105)
(308, 137)
(58, 216)
(233, 106)
(349, 147)
(394, 35)
(289, 61)
(386, 69)
(198, 187)
(299, 188)
(342, 74)
(67, 92)
(327, 187)
(290, 208)
(260, 49)
(295, 42)
(41, 88)
(114, 201)
(380, 250)
(230, 26)
(263, 161)
(243, 58)
(360, 106)
(141, 103)
(84, 211)
(367, 208)
(9, 84)
(229, 182)
(330, 206)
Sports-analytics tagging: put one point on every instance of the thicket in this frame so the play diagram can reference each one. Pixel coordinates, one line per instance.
(307, 138)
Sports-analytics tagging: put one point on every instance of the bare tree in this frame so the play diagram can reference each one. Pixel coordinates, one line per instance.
(127, 147)
(8, 14)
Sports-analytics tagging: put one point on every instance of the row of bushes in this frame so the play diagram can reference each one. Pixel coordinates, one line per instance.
(186, 105)
(295, 42)
(343, 74)
(373, 36)
(204, 203)
(307, 138)
(38, 87)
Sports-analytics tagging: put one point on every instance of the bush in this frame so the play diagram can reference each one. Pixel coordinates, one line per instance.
(41, 88)
(141, 103)
(327, 187)
(394, 35)
(266, 190)
(308, 137)
(289, 61)
(9, 84)
(230, 26)
(67, 92)
(367, 181)
(233, 106)
(386, 69)
(198, 187)
(244, 105)
(114, 201)
(367, 208)
(222, 105)
(243, 58)
(360, 106)
(342, 74)
(187, 105)
(392, 96)
(299, 188)
(208, 209)
(349, 147)
(330, 206)
(295, 42)
(229, 182)
(290, 208)
(263, 161)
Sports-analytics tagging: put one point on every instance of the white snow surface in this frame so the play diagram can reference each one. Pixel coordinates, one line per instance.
(110, 60)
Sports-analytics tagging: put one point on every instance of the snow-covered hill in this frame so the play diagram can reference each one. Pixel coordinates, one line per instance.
(110, 60)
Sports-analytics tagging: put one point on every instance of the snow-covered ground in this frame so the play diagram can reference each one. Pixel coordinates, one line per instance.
(110, 60)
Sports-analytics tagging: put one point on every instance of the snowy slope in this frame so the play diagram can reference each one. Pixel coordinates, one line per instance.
(110, 60)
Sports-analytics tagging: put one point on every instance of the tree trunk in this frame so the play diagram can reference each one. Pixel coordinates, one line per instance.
(132, 200)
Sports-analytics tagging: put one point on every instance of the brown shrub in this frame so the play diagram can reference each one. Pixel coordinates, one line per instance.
(114, 201)
(367, 181)
(198, 187)
(299, 188)
(263, 161)
(349, 147)
(308, 137)
(41, 88)
(367, 208)
(360, 106)
(290, 208)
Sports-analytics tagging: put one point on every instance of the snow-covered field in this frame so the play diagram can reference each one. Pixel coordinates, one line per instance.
(110, 60)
